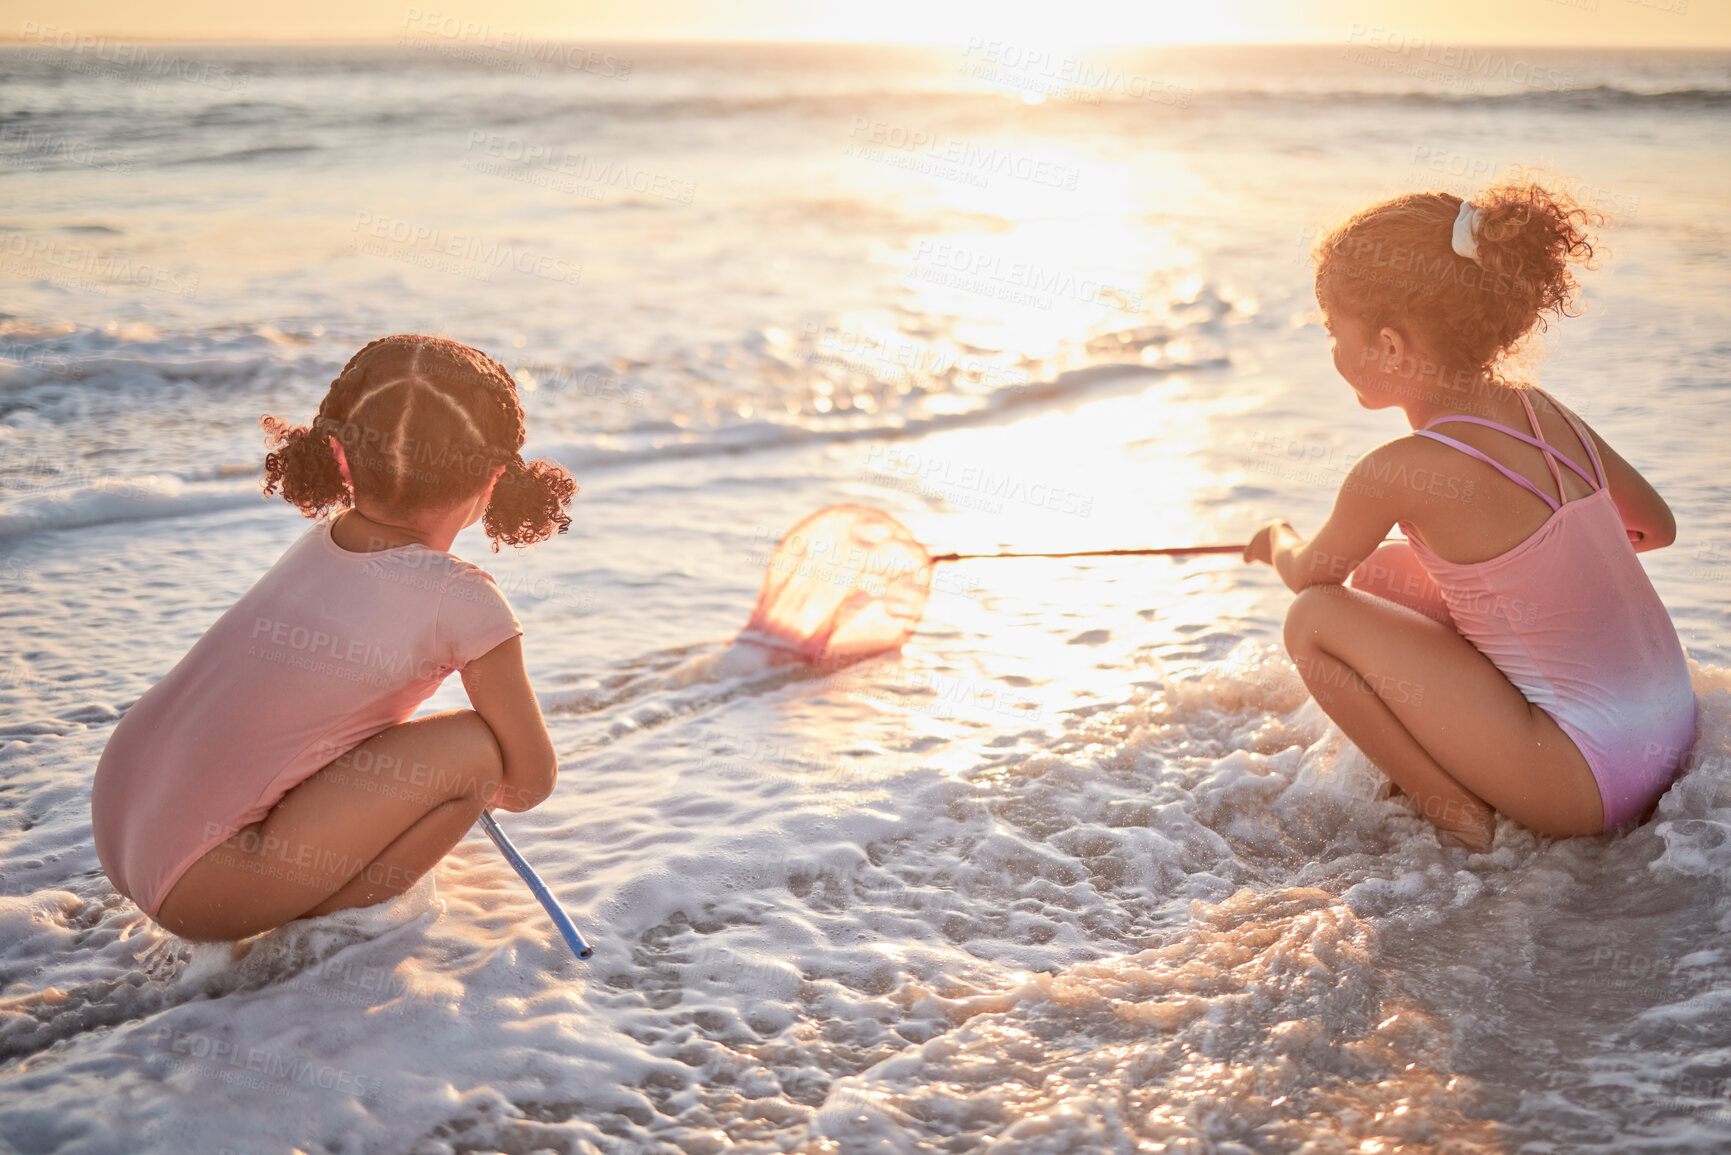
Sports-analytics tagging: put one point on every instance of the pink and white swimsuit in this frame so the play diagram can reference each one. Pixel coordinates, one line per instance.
(327, 649)
(1570, 617)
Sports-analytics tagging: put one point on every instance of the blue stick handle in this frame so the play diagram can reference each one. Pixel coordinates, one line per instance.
(566, 927)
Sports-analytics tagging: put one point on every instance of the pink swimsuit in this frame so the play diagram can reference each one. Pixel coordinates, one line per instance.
(325, 650)
(1571, 619)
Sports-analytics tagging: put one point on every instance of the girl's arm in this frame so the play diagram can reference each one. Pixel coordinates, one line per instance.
(1364, 510)
(1645, 514)
(498, 687)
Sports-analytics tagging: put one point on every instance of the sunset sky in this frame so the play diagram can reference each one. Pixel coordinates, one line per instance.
(1701, 23)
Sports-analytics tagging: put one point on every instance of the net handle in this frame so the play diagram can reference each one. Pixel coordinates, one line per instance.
(1169, 551)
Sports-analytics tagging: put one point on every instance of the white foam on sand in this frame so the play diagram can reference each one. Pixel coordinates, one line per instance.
(1179, 918)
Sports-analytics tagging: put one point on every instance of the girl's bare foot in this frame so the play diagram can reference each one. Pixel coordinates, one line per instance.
(1478, 844)
(1474, 833)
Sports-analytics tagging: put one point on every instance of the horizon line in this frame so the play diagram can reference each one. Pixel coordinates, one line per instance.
(396, 38)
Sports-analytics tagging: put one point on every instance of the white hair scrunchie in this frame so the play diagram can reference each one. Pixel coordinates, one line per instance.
(1465, 241)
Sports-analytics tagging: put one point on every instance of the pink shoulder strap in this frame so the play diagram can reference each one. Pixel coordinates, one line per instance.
(1544, 446)
(1585, 438)
(1490, 461)
(1517, 435)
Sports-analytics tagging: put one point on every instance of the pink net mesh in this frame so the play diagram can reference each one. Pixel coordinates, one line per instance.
(847, 582)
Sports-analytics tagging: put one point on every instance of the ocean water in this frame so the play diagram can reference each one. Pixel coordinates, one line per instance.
(1081, 868)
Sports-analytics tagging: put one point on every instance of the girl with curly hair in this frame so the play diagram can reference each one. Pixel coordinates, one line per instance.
(1510, 655)
(273, 773)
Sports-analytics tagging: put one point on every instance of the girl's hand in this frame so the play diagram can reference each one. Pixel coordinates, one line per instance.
(1261, 547)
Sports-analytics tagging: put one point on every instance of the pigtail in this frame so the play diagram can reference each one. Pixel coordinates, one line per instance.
(528, 503)
(423, 421)
(302, 464)
(301, 461)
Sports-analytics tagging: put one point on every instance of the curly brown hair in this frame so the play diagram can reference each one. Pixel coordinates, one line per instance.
(1393, 264)
(423, 421)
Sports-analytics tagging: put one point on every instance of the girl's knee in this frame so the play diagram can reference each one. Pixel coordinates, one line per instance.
(1305, 616)
(457, 758)
(485, 748)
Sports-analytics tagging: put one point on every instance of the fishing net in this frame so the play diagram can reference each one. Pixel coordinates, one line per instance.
(850, 581)
(844, 584)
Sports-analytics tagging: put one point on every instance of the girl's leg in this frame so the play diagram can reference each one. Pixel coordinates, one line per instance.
(359, 831)
(1435, 715)
(1394, 573)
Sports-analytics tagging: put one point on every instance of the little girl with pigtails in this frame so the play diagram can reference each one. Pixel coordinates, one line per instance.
(1510, 655)
(275, 772)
